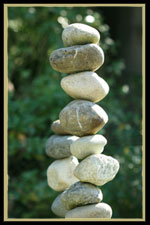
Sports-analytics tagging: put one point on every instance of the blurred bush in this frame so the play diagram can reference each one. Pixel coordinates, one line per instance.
(36, 98)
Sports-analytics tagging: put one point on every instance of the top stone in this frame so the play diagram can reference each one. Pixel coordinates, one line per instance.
(79, 34)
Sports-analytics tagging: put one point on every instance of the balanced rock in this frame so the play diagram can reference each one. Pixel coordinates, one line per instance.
(81, 194)
(97, 169)
(85, 85)
(57, 128)
(81, 117)
(60, 173)
(79, 34)
(58, 207)
(58, 147)
(88, 145)
(77, 58)
(100, 210)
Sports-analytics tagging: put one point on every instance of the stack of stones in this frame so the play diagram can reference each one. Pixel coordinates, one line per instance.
(75, 131)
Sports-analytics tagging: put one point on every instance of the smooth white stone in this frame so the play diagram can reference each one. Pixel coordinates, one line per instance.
(100, 210)
(60, 173)
(88, 145)
(85, 85)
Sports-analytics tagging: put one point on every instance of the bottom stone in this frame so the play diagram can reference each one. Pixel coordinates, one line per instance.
(58, 207)
(100, 210)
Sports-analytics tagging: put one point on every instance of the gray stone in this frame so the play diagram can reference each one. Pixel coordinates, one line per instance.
(78, 58)
(60, 173)
(81, 194)
(82, 118)
(57, 128)
(58, 147)
(97, 169)
(100, 210)
(85, 85)
(88, 145)
(58, 207)
(79, 34)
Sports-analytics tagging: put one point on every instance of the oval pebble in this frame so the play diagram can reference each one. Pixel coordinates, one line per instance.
(58, 207)
(85, 85)
(82, 118)
(97, 169)
(77, 58)
(79, 34)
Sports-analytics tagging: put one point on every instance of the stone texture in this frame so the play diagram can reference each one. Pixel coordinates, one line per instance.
(58, 207)
(57, 128)
(100, 210)
(81, 194)
(58, 147)
(82, 118)
(88, 145)
(97, 169)
(60, 173)
(85, 85)
(77, 58)
(79, 34)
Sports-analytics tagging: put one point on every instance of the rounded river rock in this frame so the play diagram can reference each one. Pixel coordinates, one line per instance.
(77, 58)
(88, 145)
(81, 194)
(100, 210)
(79, 34)
(85, 85)
(81, 117)
(97, 169)
(57, 128)
(58, 207)
(58, 147)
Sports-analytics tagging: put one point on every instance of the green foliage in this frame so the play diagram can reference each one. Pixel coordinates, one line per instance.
(36, 98)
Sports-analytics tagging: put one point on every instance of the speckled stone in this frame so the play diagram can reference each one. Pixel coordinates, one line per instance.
(97, 169)
(85, 85)
(88, 145)
(78, 58)
(57, 128)
(60, 173)
(58, 207)
(79, 34)
(100, 210)
(82, 118)
(81, 194)
(58, 147)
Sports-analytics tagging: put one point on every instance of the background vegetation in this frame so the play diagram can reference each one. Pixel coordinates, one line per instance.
(36, 98)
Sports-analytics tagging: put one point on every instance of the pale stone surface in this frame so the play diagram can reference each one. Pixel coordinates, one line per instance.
(88, 145)
(58, 207)
(57, 128)
(81, 194)
(78, 58)
(97, 169)
(60, 173)
(85, 85)
(82, 118)
(100, 210)
(58, 147)
(79, 34)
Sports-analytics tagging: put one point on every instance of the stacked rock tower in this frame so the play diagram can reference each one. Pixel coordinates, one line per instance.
(79, 166)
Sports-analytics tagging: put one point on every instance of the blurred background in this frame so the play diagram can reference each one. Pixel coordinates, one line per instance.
(36, 98)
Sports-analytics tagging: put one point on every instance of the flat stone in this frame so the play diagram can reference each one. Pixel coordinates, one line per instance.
(81, 194)
(78, 58)
(79, 34)
(88, 145)
(60, 173)
(85, 85)
(58, 207)
(100, 210)
(97, 169)
(81, 117)
(58, 147)
(57, 128)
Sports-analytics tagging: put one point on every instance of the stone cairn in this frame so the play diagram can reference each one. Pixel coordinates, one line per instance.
(75, 131)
